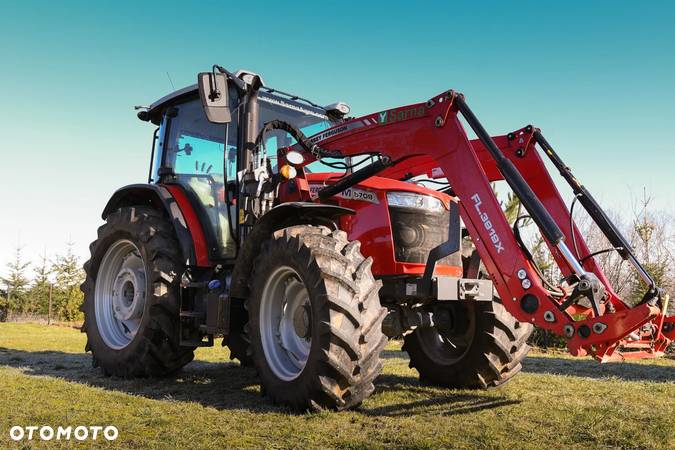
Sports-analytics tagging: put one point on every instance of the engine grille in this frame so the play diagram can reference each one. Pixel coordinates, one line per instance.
(417, 232)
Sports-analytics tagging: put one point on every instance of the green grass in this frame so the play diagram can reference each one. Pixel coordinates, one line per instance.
(557, 402)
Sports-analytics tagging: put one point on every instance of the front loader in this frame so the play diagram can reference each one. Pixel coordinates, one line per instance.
(306, 239)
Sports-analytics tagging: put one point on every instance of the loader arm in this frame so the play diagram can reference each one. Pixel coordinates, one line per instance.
(431, 136)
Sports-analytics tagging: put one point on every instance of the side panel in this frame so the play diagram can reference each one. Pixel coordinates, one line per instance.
(201, 249)
(373, 228)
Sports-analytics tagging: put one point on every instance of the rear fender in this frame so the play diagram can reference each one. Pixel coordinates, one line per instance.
(282, 216)
(159, 198)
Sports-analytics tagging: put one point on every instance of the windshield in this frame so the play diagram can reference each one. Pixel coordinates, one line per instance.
(310, 120)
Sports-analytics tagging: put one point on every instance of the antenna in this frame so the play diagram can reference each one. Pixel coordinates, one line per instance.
(169, 77)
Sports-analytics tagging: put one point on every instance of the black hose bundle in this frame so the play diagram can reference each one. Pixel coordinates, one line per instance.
(298, 135)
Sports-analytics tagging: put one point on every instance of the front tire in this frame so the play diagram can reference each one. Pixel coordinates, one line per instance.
(315, 320)
(485, 349)
(132, 296)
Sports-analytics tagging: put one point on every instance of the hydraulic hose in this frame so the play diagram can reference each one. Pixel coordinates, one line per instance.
(298, 135)
(355, 178)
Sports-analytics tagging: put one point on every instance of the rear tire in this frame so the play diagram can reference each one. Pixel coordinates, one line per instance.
(148, 343)
(330, 357)
(487, 351)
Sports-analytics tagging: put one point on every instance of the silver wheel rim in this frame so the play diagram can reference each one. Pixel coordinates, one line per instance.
(119, 297)
(285, 323)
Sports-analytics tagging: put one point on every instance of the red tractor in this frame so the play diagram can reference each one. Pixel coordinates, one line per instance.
(306, 253)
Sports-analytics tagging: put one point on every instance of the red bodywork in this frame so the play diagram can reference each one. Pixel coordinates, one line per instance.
(428, 138)
(372, 225)
(193, 224)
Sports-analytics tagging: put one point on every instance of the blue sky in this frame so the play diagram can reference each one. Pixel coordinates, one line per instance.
(597, 77)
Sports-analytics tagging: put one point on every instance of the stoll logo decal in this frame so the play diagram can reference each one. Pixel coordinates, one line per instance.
(79, 433)
(499, 246)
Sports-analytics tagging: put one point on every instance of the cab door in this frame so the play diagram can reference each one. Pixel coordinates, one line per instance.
(202, 158)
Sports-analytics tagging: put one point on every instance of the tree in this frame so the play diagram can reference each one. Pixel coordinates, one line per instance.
(654, 247)
(511, 207)
(612, 265)
(39, 292)
(67, 296)
(651, 234)
(16, 282)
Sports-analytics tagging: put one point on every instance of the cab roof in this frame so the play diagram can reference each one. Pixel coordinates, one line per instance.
(155, 109)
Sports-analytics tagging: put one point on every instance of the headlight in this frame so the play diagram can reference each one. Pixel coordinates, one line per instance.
(294, 157)
(412, 200)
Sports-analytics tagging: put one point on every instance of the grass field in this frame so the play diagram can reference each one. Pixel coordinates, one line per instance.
(557, 402)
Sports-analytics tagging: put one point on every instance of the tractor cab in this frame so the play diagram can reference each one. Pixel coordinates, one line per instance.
(204, 158)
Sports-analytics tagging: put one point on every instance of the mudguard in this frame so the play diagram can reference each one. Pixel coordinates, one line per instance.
(157, 197)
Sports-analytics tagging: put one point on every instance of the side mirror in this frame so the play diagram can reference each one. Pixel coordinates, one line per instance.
(213, 93)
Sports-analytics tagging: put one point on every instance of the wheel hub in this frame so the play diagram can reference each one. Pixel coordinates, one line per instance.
(451, 338)
(129, 294)
(301, 321)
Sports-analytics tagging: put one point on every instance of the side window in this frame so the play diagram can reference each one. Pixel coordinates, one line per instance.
(197, 146)
(205, 165)
(199, 155)
(273, 141)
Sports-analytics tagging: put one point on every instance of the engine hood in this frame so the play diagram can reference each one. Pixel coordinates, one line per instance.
(381, 184)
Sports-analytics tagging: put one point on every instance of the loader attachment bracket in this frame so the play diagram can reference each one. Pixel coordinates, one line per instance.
(446, 248)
